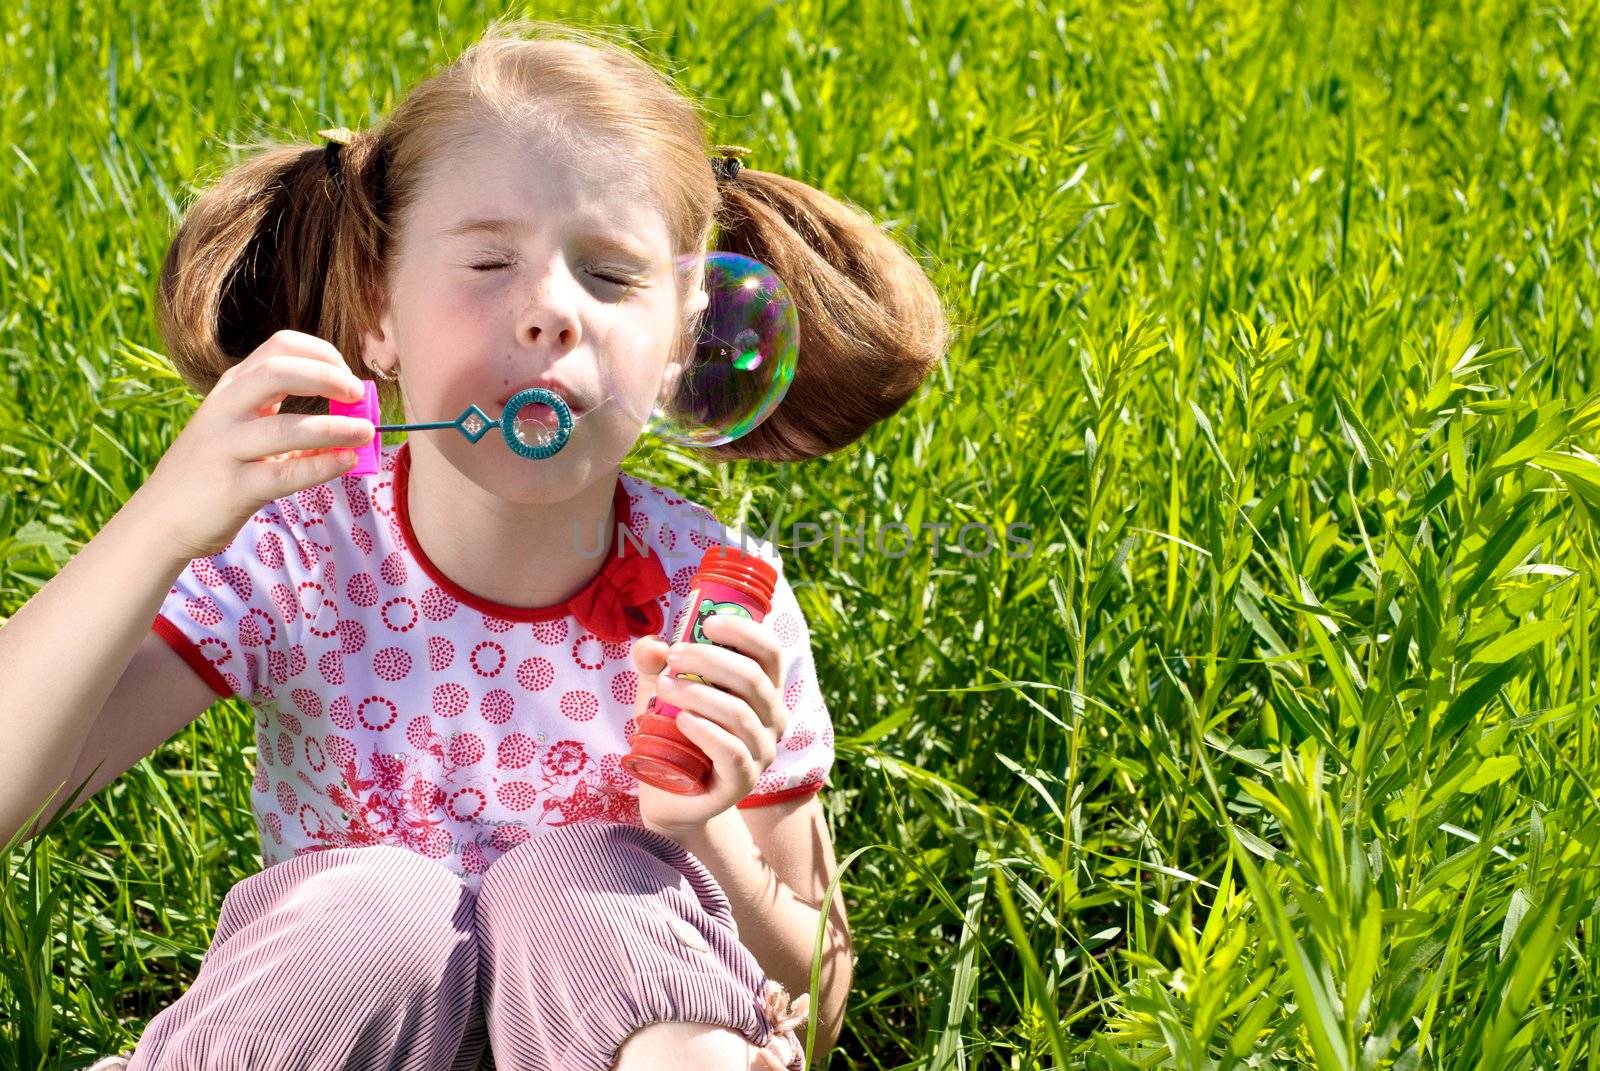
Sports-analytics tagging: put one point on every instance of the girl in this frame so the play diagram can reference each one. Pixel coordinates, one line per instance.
(457, 869)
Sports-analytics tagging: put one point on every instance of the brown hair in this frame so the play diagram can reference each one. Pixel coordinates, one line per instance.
(281, 240)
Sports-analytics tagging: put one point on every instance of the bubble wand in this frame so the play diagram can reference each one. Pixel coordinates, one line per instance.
(473, 424)
(738, 370)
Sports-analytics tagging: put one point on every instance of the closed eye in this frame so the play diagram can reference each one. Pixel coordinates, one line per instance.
(614, 280)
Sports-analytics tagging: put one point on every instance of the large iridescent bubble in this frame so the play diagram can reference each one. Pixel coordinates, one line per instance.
(743, 349)
(734, 363)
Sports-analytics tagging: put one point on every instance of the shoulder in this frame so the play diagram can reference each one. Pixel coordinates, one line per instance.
(680, 528)
(318, 521)
(311, 539)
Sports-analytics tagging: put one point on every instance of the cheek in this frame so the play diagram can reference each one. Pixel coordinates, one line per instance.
(454, 311)
(465, 297)
(427, 300)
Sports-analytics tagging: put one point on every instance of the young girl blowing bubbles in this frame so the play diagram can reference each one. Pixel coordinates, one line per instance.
(458, 870)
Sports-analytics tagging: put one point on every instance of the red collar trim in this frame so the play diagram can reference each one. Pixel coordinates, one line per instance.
(619, 601)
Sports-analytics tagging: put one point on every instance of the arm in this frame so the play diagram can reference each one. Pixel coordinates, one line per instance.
(64, 651)
(774, 864)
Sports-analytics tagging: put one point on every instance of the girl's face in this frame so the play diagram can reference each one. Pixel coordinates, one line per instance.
(520, 262)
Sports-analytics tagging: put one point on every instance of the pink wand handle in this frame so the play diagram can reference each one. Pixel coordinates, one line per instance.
(366, 454)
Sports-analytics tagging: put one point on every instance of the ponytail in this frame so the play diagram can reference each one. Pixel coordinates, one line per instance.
(872, 326)
(281, 241)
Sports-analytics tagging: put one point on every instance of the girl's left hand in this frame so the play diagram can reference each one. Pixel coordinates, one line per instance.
(737, 717)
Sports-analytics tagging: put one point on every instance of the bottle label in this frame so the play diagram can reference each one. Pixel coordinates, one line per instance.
(702, 603)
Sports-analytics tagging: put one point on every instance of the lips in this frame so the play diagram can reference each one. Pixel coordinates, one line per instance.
(551, 385)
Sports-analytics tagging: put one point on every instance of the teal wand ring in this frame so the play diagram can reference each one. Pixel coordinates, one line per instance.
(473, 424)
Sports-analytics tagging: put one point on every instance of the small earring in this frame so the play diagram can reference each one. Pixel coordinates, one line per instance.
(381, 375)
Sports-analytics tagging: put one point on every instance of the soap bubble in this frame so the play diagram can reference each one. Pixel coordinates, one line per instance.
(733, 366)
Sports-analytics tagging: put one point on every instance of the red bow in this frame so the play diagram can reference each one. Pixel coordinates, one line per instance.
(621, 602)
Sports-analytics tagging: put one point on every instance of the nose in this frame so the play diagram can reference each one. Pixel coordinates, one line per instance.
(549, 320)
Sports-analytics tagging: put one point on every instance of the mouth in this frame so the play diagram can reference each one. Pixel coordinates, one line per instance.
(554, 388)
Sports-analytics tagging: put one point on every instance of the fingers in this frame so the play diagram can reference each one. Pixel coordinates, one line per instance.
(649, 655)
(289, 362)
(284, 435)
(750, 638)
(261, 388)
(728, 715)
(295, 343)
(237, 452)
(732, 672)
(273, 478)
(252, 391)
(729, 753)
(765, 1059)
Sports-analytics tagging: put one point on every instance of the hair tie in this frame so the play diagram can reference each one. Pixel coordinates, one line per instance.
(336, 136)
(727, 164)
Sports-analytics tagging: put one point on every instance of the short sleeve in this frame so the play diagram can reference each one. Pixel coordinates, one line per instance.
(805, 752)
(234, 616)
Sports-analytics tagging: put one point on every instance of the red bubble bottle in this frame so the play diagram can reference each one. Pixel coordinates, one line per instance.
(728, 581)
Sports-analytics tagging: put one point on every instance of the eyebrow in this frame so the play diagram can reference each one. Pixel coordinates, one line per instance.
(506, 227)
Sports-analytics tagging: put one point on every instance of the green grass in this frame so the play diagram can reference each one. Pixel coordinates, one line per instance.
(1277, 326)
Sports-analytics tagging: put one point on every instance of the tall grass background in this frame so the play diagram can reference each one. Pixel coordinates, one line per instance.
(1276, 326)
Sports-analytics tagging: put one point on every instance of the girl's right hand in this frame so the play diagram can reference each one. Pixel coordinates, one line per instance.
(237, 452)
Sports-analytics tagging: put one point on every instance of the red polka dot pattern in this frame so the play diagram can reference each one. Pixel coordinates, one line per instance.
(488, 659)
(516, 795)
(436, 605)
(535, 674)
(340, 752)
(515, 751)
(352, 636)
(441, 652)
(466, 749)
(269, 550)
(393, 706)
(580, 705)
(202, 611)
(419, 732)
(625, 687)
(550, 633)
(507, 837)
(498, 707)
(392, 664)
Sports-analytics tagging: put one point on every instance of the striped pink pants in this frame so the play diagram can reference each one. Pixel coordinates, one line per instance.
(379, 958)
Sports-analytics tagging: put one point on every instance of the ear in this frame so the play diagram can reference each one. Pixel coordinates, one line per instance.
(697, 302)
(378, 344)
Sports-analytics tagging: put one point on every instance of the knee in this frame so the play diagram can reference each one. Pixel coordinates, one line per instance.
(316, 942)
(527, 861)
(589, 880)
(386, 883)
(556, 864)
(392, 911)
(673, 1046)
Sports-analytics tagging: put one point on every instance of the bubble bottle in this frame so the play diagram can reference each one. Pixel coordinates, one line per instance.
(728, 581)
